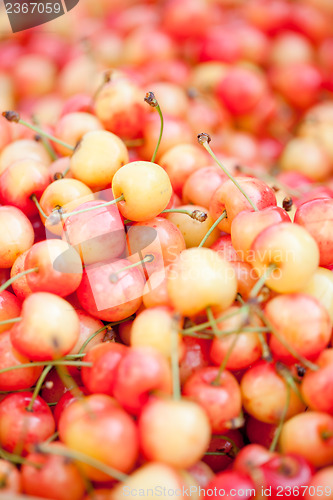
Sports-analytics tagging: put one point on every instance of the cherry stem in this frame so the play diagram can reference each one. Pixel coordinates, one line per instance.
(152, 101)
(46, 143)
(38, 386)
(16, 277)
(212, 320)
(205, 139)
(283, 417)
(65, 172)
(203, 326)
(8, 321)
(77, 212)
(82, 457)
(290, 349)
(114, 276)
(13, 116)
(39, 208)
(284, 371)
(262, 280)
(55, 362)
(17, 459)
(54, 436)
(195, 214)
(175, 360)
(211, 229)
(229, 440)
(92, 336)
(217, 380)
(266, 352)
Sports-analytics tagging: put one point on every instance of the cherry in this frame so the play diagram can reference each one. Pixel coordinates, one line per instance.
(155, 291)
(223, 449)
(110, 435)
(310, 216)
(21, 378)
(97, 158)
(264, 394)
(10, 478)
(259, 432)
(111, 301)
(22, 150)
(55, 477)
(322, 480)
(316, 383)
(181, 449)
(318, 446)
(57, 265)
(22, 179)
(316, 165)
(10, 309)
(221, 398)
(284, 474)
(35, 336)
(201, 473)
(301, 323)
(250, 457)
(196, 356)
(17, 234)
(199, 187)
(146, 189)
(20, 428)
(141, 371)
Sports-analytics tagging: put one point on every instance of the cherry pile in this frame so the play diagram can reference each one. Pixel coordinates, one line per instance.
(166, 251)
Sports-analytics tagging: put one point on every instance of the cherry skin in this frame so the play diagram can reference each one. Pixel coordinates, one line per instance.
(105, 359)
(111, 301)
(224, 247)
(35, 336)
(141, 371)
(318, 446)
(213, 283)
(20, 286)
(57, 477)
(316, 165)
(22, 378)
(146, 189)
(264, 394)
(97, 158)
(17, 234)
(155, 327)
(10, 478)
(10, 307)
(302, 322)
(21, 428)
(201, 185)
(181, 161)
(322, 480)
(21, 180)
(97, 235)
(310, 215)
(227, 443)
(222, 401)
(59, 267)
(232, 483)
(88, 326)
(110, 435)
(250, 457)
(246, 278)
(247, 225)
(196, 356)
(181, 449)
(259, 432)
(316, 385)
(228, 197)
(71, 127)
(281, 474)
(155, 291)
(292, 249)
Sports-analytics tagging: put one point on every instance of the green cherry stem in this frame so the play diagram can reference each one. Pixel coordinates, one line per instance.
(13, 116)
(38, 386)
(77, 212)
(11, 320)
(152, 101)
(39, 208)
(291, 350)
(82, 457)
(262, 280)
(217, 380)
(207, 324)
(283, 417)
(56, 362)
(205, 139)
(46, 143)
(114, 276)
(175, 360)
(211, 229)
(54, 436)
(16, 277)
(212, 320)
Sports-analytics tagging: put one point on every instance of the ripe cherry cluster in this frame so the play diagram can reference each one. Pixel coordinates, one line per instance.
(166, 251)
